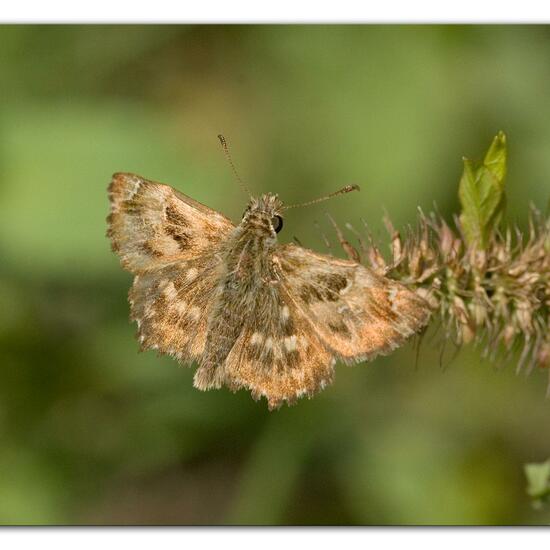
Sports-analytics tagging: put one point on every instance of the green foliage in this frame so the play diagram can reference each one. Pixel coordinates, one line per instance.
(538, 482)
(481, 193)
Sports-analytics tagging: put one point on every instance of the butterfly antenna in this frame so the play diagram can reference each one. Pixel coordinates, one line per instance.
(346, 189)
(230, 160)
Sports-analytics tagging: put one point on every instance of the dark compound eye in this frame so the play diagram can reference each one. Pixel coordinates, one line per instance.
(277, 223)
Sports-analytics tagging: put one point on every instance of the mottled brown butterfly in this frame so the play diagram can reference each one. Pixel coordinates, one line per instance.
(252, 313)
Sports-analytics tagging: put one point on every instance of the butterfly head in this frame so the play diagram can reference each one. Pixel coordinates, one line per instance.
(264, 214)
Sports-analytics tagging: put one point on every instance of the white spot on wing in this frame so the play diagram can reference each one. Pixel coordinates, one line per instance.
(191, 274)
(256, 338)
(290, 342)
(195, 313)
(392, 294)
(170, 291)
(181, 306)
(168, 245)
(133, 188)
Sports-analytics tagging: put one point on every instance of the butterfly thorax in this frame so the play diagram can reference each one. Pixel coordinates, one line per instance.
(247, 253)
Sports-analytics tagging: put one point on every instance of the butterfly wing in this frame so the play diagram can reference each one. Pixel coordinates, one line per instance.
(172, 244)
(312, 309)
(356, 313)
(151, 224)
(276, 355)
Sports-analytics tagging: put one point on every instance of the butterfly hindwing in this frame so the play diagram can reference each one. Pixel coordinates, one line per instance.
(277, 356)
(171, 306)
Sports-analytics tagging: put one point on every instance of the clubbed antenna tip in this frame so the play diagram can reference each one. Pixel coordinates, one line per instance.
(225, 148)
(346, 189)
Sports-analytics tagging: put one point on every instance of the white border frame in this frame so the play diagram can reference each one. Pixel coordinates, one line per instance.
(280, 11)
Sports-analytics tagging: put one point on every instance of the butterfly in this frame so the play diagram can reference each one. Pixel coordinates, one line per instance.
(251, 312)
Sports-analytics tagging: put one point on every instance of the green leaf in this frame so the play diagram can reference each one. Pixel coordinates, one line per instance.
(481, 193)
(538, 480)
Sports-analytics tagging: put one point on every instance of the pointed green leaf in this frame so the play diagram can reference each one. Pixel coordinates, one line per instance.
(481, 193)
(495, 159)
(538, 481)
(538, 478)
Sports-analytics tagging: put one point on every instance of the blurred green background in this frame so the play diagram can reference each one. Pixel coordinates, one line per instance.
(93, 432)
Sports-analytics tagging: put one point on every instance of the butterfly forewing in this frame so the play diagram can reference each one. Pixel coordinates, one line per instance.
(151, 224)
(356, 313)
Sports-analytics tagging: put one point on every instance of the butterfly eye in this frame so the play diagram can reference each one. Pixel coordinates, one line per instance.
(277, 223)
